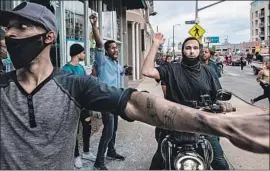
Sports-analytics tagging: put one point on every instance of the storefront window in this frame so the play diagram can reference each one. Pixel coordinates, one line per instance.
(74, 16)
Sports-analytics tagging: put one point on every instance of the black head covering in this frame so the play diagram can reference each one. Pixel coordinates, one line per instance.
(191, 64)
(190, 61)
(76, 49)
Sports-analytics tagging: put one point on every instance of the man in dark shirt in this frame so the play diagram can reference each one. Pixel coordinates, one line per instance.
(206, 59)
(40, 106)
(185, 83)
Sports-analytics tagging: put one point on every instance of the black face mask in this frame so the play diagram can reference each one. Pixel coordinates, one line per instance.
(24, 51)
(190, 61)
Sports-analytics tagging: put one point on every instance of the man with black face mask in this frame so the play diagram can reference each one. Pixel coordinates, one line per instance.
(40, 107)
(185, 82)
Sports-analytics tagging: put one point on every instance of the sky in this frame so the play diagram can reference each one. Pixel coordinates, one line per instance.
(228, 19)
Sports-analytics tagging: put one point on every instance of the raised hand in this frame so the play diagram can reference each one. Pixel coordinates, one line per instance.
(93, 19)
(158, 39)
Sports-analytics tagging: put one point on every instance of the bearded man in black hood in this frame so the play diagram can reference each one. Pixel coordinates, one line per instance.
(186, 82)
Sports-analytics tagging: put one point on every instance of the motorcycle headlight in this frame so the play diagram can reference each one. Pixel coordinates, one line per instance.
(189, 162)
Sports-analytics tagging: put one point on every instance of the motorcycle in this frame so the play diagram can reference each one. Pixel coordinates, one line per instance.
(191, 151)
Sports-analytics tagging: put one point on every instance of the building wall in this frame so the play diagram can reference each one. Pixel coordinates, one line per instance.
(260, 21)
(139, 39)
(74, 27)
(228, 48)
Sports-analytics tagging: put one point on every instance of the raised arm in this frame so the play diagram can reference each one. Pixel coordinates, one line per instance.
(148, 68)
(100, 52)
(249, 132)
(93, 21)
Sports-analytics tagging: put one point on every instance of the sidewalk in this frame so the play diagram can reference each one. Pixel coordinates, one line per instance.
(136, 140)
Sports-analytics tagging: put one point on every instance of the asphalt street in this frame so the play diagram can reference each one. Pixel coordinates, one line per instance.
(243, 84)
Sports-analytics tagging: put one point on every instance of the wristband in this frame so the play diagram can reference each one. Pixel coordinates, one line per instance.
(123, 103)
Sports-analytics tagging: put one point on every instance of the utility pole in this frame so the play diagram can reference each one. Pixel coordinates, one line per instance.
(197, 9)
(168, 48)
(173, 38)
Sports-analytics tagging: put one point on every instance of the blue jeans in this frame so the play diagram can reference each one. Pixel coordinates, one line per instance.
(107, 140)
(219, 162)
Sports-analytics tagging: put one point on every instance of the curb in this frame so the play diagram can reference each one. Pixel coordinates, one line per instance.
(262, 108)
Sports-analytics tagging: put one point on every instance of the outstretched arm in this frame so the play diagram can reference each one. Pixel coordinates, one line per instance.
(249, 132)
(148, 68)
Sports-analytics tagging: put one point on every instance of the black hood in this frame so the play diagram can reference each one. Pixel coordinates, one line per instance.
(191, 62)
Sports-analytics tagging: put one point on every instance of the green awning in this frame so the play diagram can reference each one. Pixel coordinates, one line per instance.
(134, 4)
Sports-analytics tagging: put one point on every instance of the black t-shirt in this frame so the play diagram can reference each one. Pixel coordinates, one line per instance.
(185, 84)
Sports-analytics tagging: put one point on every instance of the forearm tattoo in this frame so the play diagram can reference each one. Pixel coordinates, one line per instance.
(169, 115)
(151, 109)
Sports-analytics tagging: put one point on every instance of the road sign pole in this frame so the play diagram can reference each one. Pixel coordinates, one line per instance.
(199, 9)
(196, 11)
(173, 41)
(173, 38)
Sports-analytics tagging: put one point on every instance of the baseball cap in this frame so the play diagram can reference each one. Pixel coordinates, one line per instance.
(33, 12)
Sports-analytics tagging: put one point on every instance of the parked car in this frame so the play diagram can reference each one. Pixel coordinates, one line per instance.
(236, 60)
(258, 65)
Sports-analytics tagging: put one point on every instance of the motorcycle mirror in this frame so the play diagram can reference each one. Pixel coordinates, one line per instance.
(224, 95)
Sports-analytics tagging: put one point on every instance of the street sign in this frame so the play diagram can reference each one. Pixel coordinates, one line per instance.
(190, 22)
(197, 31)
(212, 39)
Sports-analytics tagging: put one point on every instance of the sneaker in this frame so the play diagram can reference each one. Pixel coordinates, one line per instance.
(78, 162)
(115, 157)
(100, 167)
(89, 156)
(252, 101)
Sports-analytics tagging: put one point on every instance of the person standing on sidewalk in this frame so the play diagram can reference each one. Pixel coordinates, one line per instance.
(3, 50)
(242, 62)
(40, 106)
(5, 61)
(206, 59)
(185, 83)
(264, 79)
(109, 72)
(77, 55)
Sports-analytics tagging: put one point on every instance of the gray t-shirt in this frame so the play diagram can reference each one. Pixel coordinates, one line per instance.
(38, 130)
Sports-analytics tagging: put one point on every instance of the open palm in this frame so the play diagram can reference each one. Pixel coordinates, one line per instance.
(158, 38)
